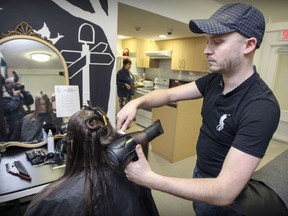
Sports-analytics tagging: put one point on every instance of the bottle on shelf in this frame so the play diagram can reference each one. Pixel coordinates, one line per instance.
(44, 134)
(50, 142)
(143, 76)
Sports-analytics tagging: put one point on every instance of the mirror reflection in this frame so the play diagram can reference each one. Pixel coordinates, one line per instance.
(36, 76)
(28, 87)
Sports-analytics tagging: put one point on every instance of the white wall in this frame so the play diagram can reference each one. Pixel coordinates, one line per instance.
(111, 34)
(268, 65)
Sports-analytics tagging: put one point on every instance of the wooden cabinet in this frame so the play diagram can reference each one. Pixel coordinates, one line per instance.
(200, 62)
(164, 45)
(139, 46)
(181, 127)
(182, 54)
(188, 55)
(177, 55)
(143, 60)
(130, 44)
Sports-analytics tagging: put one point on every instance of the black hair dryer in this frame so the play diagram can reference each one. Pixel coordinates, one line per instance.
(122, 151)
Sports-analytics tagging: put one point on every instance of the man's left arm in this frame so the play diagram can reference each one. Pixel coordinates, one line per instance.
(220, 191)
(249, 145)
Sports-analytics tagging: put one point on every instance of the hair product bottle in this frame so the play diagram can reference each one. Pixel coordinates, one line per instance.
(50, 142)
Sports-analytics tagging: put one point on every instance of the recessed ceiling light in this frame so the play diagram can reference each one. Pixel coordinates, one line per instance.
(40, 57)
(122, 37)
(162, 36)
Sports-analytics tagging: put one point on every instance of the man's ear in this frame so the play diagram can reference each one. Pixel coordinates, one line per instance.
(250, 45)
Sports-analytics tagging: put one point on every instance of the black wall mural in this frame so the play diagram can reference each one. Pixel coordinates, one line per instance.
(82, 43)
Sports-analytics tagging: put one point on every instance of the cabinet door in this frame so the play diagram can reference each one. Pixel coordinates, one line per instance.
(140, 58)
(165, 45)
(187, 54)
(151, 45)
(188, 125)
(164, 144)
(147, 45)
(200, 62)
(177, 55)
(130, 44)
(143, 60)
(182, 56)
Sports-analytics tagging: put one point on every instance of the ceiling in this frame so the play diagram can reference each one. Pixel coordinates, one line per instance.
(152, 25)
(22, 49)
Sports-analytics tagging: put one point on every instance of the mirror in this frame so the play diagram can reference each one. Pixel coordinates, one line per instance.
(16, 48)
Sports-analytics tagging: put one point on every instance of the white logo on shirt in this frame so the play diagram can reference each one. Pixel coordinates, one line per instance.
(221, 124)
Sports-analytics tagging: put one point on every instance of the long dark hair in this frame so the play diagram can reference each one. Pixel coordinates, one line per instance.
(89, 131)
(49, 108)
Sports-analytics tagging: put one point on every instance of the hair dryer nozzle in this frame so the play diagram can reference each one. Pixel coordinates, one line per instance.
(154, 130)
(122, 151)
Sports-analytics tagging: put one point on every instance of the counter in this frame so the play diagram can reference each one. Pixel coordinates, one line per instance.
(181, 125)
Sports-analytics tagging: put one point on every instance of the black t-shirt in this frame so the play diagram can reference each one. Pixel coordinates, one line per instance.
(244, 118)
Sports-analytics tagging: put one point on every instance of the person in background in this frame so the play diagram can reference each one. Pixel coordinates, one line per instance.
(33, 122)
(2, 122)
(90, 186)
(14, 98)
(125, 83)
(239, 116)
(53, 101)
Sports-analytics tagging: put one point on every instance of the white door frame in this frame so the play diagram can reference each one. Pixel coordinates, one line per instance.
(268, 64)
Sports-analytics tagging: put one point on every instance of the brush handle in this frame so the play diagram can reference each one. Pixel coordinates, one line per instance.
(28, 178)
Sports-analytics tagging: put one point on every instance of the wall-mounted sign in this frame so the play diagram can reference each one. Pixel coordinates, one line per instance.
(67, 100)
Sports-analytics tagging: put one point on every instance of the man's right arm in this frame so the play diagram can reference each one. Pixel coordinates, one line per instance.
(156, 98)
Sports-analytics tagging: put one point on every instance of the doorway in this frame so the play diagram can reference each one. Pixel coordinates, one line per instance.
(280, 89)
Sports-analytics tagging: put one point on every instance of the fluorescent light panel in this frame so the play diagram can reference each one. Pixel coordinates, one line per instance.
(40, 57)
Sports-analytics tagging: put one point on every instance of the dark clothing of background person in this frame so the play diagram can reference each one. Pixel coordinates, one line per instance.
(125, 83)
(32, 128)
(128, 198)
(14, 112)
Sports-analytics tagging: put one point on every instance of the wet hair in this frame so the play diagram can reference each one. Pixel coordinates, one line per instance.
(89, 132)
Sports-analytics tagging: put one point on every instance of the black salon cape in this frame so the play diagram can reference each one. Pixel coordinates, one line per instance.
(128, 199)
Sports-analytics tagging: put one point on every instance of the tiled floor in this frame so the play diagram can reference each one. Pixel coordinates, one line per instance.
(169, 205)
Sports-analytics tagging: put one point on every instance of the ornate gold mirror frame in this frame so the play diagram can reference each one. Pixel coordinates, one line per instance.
(25, 31)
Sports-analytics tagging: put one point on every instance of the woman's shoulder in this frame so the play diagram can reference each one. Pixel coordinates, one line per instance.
(28, 117)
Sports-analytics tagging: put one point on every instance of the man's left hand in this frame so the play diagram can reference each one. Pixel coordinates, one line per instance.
(139, 171)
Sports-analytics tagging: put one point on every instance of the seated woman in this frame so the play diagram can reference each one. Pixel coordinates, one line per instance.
(90, 186)
(33, 122)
